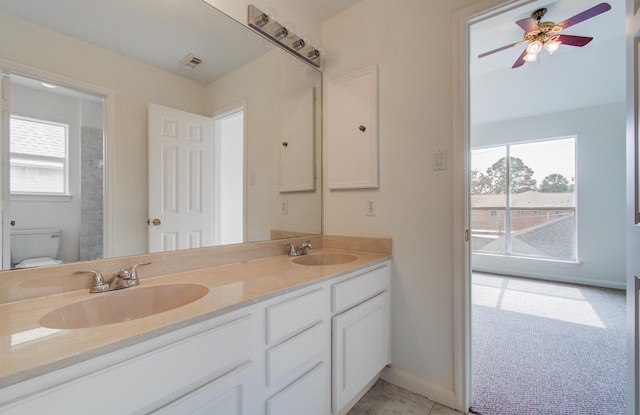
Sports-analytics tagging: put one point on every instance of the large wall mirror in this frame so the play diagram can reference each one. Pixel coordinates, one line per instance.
(141, 126)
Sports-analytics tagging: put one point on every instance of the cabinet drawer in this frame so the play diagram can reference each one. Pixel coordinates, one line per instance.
(158, 376)
(355, 290)
(286, 319)
(295, 352)
(308, 395)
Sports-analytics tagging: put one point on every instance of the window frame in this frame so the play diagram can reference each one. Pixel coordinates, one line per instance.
(509, 210)
(65, 195)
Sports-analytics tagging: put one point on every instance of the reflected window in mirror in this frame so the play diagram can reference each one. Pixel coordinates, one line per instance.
(39, 157)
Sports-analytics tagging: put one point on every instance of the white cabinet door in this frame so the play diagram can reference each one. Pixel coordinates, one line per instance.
(227, 395)
(307, 395)
(352, 130)
(296, 139)
(360, 348)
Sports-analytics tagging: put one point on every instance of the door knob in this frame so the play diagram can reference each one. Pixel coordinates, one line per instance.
(157, 222)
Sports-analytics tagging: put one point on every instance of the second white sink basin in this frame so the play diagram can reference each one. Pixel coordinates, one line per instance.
(324, 259)
(123, 305)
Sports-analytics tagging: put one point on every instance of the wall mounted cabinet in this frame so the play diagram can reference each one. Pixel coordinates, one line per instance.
(296, 138)
(352, 130)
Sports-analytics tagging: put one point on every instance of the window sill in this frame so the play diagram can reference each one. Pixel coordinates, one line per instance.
(41, 198)
(565, 263)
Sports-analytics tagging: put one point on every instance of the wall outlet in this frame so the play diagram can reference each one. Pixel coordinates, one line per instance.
(372, 208)
(284, 207)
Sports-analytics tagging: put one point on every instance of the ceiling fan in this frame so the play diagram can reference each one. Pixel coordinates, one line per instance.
(546, 35)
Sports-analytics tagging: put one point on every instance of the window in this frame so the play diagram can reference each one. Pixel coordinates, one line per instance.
(38, 157)
(532, 186)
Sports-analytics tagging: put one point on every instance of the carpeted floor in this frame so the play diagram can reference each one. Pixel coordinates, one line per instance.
(547, 348)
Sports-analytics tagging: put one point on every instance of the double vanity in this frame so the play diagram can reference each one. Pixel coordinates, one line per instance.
(272, 334)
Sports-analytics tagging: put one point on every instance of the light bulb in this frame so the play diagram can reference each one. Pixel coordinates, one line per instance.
(298, 44)
(534, 48)
(261, 20)
(530, 57)
(552, 46)
(281, 33)
(314, 54)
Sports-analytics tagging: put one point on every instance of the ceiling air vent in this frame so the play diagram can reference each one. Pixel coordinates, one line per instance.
(191, 61)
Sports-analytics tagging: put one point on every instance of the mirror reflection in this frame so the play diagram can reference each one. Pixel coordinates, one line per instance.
(175, 127)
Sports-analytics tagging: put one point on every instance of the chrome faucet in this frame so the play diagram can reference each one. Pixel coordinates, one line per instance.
(301, 250)
(124, 278)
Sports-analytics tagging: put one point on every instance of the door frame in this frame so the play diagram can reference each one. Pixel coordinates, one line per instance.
(463, 19)
(243, 106)
(109, 96)
(5, 114)
(633, 206)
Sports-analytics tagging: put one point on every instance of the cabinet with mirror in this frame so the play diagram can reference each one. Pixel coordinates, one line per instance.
(112, 61)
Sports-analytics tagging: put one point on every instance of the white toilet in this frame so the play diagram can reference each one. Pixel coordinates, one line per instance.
(35, 247)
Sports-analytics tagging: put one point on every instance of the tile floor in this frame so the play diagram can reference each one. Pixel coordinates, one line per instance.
(388, 399)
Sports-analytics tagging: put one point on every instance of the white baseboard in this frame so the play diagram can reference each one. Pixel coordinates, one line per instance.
(570, 280)
(422, 387)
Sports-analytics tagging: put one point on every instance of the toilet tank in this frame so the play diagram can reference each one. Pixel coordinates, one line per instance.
(34, 243)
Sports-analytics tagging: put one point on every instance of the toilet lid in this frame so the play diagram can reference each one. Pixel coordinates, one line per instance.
(38, 262)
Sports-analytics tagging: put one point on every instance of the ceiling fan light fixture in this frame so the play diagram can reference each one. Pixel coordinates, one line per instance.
(531, 57)
(534, 48)
(552, 46)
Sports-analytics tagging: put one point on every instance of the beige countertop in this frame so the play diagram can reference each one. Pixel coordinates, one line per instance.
(28, 350)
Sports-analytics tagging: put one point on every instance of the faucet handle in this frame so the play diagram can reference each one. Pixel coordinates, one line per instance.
(133, 272)
(98, 285)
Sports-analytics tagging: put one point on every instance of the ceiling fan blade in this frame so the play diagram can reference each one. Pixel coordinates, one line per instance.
(520, 61)
(574, 40)
(528, 24)
(482, 55)
(587, 14)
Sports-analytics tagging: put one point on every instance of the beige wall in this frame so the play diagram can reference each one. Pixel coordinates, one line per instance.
(260, 85)
(135, 85)
(411, 41)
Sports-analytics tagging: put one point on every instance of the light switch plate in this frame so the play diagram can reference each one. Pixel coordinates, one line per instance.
(439, 159)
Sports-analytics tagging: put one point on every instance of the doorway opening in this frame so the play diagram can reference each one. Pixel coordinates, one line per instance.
(229, 145)
(576, 235)
(54, 182)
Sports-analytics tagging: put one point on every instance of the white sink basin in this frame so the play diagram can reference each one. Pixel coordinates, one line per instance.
(123, 305)
(324, 259)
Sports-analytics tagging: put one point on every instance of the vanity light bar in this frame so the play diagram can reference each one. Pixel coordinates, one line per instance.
(281, 36)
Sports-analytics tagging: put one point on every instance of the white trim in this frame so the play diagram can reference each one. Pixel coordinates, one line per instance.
(109, 105)
(632, 215)
(242, 105)
(5, 201)
(532, 260)
(570, 280)
(420, 386)
(462, 19)
(41, 197)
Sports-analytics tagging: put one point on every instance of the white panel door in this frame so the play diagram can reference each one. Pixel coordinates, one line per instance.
(180, 179)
